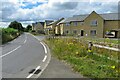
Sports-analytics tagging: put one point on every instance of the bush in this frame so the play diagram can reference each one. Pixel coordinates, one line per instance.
(33, 31)
(9, 34)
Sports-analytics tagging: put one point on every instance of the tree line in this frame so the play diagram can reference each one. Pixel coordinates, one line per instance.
(18, 26)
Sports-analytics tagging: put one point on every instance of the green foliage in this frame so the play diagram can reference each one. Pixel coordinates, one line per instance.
(16, 25)
(90, 65)
(28, 28)
(9, 34)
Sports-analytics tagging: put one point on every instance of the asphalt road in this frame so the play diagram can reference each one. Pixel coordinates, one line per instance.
(22, 55)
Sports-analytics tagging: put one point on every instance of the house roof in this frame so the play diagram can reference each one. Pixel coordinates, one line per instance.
(42, 23)
(108, 16)
(52, 22)
(34, 24)
(56, 21)
(48, 21)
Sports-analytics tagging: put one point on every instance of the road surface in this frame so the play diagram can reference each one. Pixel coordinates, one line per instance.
(24, 56)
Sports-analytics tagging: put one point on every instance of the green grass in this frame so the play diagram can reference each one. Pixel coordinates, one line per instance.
(75, 53)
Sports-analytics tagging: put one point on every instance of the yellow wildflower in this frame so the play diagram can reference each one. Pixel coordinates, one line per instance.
(77, 53)
(89, 51)
(113, 67)
(116, 70)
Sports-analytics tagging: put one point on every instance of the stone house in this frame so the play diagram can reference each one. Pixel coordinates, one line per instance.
(38, 27)
(91, 25)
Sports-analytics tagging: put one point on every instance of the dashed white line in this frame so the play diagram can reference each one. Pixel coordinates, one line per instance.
(44, 47)
(44, 58)
(25, 41)
(29, 76)
(10, 52)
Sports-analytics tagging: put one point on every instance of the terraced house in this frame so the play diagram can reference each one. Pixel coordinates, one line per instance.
(46, 24)
(90, 25)
(50, 26)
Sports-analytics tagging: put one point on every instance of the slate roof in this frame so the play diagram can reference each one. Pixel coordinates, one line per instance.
(42, 23)
(56, 21)
(109, 16)
(48, 21)
(34, 24)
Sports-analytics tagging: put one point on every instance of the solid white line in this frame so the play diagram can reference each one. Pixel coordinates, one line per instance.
(44, 58)
(41, 43)
(44, 47)
(29, 76)
(10, 52)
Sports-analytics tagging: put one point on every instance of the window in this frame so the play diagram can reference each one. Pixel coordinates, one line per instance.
(74, 31)
(93, 32)
(75, 23)
(94, 23)
(66, 31)
(67, 24)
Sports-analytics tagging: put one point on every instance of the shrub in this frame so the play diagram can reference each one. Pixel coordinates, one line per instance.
(9, 34)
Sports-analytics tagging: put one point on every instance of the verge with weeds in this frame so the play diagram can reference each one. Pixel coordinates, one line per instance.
(75, 53)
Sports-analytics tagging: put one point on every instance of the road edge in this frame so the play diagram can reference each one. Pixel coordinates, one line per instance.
(49, 55)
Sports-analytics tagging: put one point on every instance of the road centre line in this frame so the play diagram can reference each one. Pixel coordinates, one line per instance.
(13, 49)
(29, 76)
(10, 52)
(44, 58)
(25, 39)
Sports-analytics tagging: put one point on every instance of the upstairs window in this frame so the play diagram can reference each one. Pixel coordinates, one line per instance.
(67, 24)
(75, 23)
(94, 23)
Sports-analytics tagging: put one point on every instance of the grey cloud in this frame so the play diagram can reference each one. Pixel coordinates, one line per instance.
(65, 5)
(57, 10)
(8, 8)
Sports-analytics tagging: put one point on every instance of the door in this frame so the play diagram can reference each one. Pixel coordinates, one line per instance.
(82, 33)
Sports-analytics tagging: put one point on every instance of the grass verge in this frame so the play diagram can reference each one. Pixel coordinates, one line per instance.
(89, 65)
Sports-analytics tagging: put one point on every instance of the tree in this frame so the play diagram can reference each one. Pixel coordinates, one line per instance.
(29, 27)
(16, 25)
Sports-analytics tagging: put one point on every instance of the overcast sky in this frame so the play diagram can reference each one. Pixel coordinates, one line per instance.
(29, 11)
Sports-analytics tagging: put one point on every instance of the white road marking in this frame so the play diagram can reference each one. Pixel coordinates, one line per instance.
(41, 43)
(25, 39)
(10, 52)
(29, 76)
(44, 58)
(44, 47)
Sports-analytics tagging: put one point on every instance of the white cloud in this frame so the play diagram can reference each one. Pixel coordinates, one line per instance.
(53, 9)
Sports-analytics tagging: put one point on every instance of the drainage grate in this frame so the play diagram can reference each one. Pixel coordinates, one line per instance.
(38, 71)
(32, 71)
